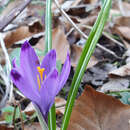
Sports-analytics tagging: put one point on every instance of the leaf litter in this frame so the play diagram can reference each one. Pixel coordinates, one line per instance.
(106, 73)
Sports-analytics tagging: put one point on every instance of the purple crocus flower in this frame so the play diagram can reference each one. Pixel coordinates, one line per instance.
(39, 83)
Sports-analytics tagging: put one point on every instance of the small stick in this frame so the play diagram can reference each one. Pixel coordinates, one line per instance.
(13, 14)
(82, 33)
(22, 123)
(70, 31)
(106, 35)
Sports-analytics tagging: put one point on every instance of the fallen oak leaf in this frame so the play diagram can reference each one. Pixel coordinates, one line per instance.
(96, 111)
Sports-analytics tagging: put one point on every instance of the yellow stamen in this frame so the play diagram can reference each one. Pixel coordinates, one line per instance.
(41, 70)
(38, 81)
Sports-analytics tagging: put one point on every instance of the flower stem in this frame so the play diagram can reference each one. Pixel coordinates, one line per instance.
(52, 118)
(48, 47)
(41, 119)
(48, 26)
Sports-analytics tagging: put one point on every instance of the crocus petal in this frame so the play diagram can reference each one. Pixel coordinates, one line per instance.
(28, 64)
(14, 63)
(23, 85)
(64, 73)
(48, 91)
(49, 62)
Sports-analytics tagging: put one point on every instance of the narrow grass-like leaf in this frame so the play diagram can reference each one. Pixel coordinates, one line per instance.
(48, 47)
(52, 118)
(84, 59)
(48, 26)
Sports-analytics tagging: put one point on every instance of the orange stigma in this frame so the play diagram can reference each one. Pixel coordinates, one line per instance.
(40, 70)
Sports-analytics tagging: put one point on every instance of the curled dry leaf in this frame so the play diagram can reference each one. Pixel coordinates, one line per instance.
(96, 111)
(21, 33)
(59, 43)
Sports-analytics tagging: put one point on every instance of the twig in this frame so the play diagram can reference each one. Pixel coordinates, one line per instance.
(106, 35)
(70, 31)
(12, 15)
(82, 33)
(22, 123)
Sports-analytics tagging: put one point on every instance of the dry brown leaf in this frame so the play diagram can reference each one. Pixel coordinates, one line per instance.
(21, 33)
(60, 110)
(123, 71)
(14, 36)
(60, 105)
(29, 110)
(75, 55)
(96, 111)
(5, 127)
(122, 27)
(59, 43)
(90, 1)
(122, 21)
(124, 31)
(60, 101)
